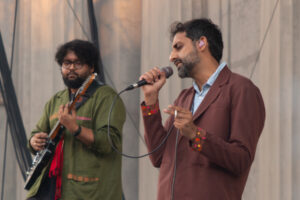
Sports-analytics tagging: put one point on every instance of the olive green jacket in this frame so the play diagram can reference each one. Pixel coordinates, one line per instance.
(89, 172)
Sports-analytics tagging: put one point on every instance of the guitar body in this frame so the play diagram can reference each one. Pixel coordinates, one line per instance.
(41, 160)
(43, 157)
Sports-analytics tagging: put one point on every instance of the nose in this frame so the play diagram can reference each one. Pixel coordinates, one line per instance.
(172, 56)
(72, 66)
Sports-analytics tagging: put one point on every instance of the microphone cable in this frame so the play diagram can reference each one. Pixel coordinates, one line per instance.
(147, 154)
(175, 166)
(115, 148)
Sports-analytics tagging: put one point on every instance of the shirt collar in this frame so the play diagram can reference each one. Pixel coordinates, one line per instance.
(211, 79)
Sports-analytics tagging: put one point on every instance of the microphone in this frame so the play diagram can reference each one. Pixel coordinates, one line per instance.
(168, 71)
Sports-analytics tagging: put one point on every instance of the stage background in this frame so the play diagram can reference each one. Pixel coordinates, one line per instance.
(259, 35)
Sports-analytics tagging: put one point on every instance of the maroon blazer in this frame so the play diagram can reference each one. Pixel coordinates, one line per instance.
(233, 114)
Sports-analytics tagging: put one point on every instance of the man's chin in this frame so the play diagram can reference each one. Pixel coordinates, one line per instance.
(182, 73)
(73, 83)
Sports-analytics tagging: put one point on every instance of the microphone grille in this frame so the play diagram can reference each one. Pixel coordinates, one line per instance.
(168, 71)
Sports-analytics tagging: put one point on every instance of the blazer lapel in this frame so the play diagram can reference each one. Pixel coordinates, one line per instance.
(187, 104)
(210, 97)
(213, 93)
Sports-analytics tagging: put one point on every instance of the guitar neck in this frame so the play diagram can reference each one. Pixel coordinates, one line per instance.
(55, 130)
(58, 126)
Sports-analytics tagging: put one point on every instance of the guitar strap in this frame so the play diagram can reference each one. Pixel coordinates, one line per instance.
(89, 92)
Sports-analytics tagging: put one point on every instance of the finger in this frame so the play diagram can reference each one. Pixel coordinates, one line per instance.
(180, 109)
(147, 77)
(162, 74)
(178, 125)
(32, 143)
(66, 109)
(184, 116)
(73, 112)
(175, 110)
(42, 135)
(156, 73)
(39, 141)
(38, 148)
(40, 145)
(61, 109)
(150, 77)
(170, 110)
(35, 138)
(159, 73)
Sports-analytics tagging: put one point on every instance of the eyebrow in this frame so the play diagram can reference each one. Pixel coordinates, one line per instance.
(176, 45)
(68, 60)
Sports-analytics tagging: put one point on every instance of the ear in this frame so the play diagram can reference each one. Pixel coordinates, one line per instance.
(202, 42)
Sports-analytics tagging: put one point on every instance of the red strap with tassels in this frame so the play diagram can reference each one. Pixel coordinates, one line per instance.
(56, 167)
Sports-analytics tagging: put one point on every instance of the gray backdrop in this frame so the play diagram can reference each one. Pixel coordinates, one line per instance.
(134, 38)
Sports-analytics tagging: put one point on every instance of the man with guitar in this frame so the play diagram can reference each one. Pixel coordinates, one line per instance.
(83, 166)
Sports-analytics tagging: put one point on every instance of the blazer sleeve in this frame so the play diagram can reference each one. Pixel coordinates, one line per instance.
(247, 116)
(155, 136)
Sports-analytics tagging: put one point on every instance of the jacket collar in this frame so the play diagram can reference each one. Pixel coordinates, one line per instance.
(213, 93)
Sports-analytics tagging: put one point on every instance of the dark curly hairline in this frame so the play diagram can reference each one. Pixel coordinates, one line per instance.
(86, 52)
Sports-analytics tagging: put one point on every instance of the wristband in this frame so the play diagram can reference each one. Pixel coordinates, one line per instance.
(150, 110)
(77, 132)
(197, 142)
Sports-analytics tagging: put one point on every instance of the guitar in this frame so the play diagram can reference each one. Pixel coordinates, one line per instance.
(43, 157)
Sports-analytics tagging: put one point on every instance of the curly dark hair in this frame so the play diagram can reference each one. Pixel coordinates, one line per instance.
(197, 28)
(86, 52)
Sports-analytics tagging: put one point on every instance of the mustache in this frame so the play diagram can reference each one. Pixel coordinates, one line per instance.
(177, 60)
(72, 73)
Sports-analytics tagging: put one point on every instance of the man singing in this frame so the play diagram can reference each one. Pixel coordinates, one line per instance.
(84, 165)
(215, 124)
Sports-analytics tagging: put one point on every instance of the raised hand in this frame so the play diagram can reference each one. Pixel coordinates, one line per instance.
(183, 120)
(155, 79)
(67, 118)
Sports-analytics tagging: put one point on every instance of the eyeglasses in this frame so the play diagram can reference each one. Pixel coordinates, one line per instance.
(66, 64)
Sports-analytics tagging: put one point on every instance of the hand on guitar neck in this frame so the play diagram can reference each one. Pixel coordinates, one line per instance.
(68, 120)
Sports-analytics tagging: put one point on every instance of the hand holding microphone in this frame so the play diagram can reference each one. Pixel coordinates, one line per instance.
(167, 70)
(152, 81)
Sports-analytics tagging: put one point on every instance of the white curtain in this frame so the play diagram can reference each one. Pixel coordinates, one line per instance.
(134, 38)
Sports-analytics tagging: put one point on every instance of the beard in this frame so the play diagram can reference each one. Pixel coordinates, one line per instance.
(74, 83)
(188, 64)
(185, 70)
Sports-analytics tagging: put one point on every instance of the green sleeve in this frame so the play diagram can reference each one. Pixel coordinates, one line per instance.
(42, 126)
